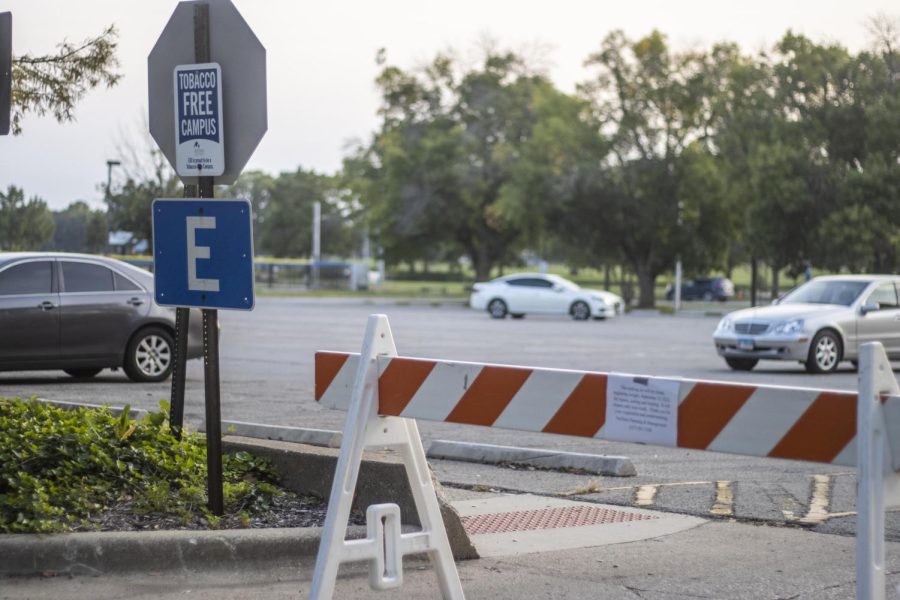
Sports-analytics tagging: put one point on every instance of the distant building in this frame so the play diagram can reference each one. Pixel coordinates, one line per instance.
(124, 242)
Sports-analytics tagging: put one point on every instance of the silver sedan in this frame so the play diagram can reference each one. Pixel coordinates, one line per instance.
(819, 324)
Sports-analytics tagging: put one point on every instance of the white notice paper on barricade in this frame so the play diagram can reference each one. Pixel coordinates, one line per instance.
(641, 409)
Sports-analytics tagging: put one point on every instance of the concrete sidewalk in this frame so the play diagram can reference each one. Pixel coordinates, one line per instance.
(654, 557)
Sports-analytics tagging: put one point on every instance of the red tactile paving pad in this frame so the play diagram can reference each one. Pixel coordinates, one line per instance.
(548, 518)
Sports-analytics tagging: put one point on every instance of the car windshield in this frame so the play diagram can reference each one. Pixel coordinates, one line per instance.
(826, 292)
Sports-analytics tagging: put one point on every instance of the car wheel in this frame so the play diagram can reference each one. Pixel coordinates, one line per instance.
(824, 353)
(497, 308)
(741, 364)
(708, 296)
(82, 373)
(517, 316)
(580, 311)
(149, 355)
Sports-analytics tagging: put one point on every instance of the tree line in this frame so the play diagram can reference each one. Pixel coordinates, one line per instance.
(713, 156)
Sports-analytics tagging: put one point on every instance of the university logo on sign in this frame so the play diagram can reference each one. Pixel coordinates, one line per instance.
(199, 136)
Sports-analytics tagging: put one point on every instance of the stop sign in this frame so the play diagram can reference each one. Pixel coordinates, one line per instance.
(233, 45)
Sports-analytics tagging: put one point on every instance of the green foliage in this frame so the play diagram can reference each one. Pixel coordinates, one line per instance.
(24, 225)
(79, 229)
(58, 467)
(55, 83)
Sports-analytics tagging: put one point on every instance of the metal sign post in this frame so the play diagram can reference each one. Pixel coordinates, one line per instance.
(5, 71)
(190, 109)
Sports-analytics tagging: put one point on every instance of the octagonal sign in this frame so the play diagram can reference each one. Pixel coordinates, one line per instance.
(233, 45)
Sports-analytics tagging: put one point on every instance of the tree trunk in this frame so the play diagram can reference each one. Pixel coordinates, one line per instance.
(775, 290)
(647, 287)
(482, 265)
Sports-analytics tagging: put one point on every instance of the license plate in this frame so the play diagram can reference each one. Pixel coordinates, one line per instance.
(745, 344)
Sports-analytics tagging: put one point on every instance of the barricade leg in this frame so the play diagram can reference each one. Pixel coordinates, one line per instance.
(384, 543)
(875, 475)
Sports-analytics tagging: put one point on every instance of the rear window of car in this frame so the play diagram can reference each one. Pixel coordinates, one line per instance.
(87, 277)
(125, 284)
(35, 277)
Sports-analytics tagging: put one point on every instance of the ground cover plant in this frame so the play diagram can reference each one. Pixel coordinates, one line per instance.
(63, 470)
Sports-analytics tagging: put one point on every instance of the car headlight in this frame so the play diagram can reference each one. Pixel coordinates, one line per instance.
(599, 300)
(725, 325)
(789, 327)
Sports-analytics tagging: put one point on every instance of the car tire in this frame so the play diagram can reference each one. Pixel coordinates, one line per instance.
(497, 308)
(824, 352)
(580, 311)
(150, 355)
(741, 364)
(82, 373)
(517, 316)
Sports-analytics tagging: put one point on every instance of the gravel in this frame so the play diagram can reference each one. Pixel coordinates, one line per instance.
(288, 510)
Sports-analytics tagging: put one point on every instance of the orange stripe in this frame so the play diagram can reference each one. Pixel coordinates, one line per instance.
(400, 382)
(584, 411)
(706, 410)
(327, 366)
(488, 395)
(822, 431)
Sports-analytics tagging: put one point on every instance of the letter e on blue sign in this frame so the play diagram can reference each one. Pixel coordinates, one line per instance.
(199, 137)
(203, 253)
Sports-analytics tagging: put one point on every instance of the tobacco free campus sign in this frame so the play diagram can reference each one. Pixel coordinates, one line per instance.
(199, 135)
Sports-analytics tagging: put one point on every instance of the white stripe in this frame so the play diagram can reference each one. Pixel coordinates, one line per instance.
(441, 391)
(847, 456)
(337, 396)
(538, 400)
(764, 419)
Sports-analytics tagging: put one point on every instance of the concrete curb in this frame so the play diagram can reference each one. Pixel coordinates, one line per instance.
(616, 466)
(97, 553)
(298, 435)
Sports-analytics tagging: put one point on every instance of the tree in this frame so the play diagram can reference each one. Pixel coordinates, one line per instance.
(447, 147)
(660, 179)
(79, 229)
(54, 83)
(24, 225)
(286, 225)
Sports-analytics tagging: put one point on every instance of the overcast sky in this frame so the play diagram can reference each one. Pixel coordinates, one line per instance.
(321, 65)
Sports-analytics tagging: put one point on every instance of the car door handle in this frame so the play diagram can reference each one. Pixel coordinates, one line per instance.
(135, 301)
(46, 305)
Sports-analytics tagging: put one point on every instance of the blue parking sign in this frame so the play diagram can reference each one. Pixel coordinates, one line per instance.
(203, 253)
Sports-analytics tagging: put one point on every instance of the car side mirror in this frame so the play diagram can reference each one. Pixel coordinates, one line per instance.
(867, 308)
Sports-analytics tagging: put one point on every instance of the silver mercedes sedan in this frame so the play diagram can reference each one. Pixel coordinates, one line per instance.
(819, 324)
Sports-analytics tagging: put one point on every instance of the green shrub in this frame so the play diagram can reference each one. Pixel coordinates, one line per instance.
(59, 467)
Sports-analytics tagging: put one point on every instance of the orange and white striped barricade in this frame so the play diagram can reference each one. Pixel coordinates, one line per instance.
(385, 393)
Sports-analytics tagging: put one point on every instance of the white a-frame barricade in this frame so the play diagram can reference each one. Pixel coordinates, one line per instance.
(384, 394)
(384, 545)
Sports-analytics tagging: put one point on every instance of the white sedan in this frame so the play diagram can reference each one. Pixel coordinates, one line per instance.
(537, 293)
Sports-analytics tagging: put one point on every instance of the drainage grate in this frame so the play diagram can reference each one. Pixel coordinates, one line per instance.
(548, 518)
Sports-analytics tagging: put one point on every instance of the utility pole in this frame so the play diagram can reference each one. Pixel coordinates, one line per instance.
(109, 166)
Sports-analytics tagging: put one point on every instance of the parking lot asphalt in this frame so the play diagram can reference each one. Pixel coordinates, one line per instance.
(267, 377)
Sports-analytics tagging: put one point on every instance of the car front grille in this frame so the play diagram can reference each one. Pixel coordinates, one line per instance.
(751, 328)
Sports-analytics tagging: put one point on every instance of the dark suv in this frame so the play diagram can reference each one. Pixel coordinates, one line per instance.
(705, 288)
(83, 313)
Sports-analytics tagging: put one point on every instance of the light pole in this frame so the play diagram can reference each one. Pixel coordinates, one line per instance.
(109, 165)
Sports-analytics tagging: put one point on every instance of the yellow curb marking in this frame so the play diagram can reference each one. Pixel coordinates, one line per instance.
(724, 504)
